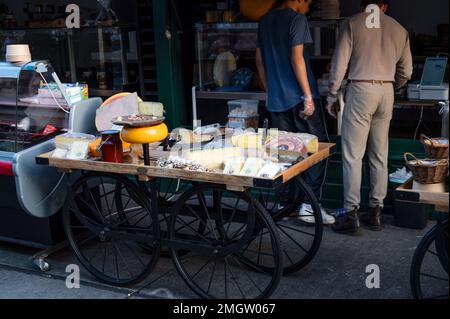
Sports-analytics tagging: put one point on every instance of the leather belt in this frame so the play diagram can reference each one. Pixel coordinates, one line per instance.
(371, 81)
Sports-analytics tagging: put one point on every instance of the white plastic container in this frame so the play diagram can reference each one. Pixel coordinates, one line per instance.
(18, 53)
(249, 106)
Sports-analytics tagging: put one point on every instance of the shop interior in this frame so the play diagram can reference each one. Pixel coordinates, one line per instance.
(124, 47)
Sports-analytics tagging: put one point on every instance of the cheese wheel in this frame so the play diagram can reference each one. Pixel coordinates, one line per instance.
(145, 135)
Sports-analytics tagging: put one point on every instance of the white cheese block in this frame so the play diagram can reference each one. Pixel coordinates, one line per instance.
(233, 165)
(213, 159)
(252, 166)
(78, 151)
(270, 170)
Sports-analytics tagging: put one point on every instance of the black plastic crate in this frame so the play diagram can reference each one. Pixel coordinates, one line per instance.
(411, 215)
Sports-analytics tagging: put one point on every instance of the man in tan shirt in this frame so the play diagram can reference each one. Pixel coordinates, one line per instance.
(374, 49)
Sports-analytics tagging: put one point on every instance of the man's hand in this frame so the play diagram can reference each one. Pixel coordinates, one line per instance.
(309, 109)
(333, 107)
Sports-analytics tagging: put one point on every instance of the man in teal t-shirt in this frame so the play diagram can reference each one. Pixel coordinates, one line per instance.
(293, 100)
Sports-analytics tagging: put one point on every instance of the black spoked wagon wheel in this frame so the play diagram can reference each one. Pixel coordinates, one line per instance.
(211, 240)
(429, 270)
(167, 192)
(300, 241)
(110, 226)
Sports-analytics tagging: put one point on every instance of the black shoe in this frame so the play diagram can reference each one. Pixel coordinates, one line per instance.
(347, 223)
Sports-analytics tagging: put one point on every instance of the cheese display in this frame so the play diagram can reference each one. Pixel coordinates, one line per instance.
(213, 159)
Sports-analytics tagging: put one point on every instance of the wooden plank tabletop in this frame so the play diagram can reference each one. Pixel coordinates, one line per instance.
(439, 200)
(232, 181)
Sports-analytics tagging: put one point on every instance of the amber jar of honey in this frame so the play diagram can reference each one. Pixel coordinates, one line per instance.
(111, 147)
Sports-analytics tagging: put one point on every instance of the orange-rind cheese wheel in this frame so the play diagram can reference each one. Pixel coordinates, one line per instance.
(145, 135)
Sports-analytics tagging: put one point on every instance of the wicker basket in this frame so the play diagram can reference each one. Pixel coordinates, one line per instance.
(433, 149)
(427, 173)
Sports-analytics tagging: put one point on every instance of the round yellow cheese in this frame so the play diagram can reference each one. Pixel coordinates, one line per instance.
(145, 135)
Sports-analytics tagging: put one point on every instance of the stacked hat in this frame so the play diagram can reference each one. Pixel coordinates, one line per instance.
(18, 53)
(330, 9)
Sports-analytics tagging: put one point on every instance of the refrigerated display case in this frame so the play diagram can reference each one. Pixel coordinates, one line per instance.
(105, 58)
(30, 195)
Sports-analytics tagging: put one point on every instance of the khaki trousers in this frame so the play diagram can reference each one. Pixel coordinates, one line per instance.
(365, 126)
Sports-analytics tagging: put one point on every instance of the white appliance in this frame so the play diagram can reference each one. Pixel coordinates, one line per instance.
(432, 86)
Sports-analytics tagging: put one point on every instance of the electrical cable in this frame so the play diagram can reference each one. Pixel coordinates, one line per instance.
(418, 124)
(177, 17)
(51, 92)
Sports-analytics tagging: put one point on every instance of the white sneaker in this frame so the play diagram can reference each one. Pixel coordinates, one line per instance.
(306, 215)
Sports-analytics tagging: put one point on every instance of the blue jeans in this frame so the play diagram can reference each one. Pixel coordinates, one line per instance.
(291, 121)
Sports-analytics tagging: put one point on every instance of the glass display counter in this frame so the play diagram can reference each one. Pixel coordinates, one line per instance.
(30, 117)
(105, 58)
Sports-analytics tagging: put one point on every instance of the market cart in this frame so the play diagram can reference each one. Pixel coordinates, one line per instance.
(227, 235)
(434, 246)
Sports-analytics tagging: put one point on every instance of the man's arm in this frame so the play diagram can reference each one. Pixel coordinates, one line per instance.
(404, 66)
(299, 67)
(341, 59)
(261, 70)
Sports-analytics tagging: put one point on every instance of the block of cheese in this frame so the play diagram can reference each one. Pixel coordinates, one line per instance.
(78, 151)
(213, 159)
(311, 141)
(252, 166)
(151, 108)
(233, 165)
(247, 140)
(286, 144)
(269, 170)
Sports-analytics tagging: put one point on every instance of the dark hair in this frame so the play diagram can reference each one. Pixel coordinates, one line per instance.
(365, 3)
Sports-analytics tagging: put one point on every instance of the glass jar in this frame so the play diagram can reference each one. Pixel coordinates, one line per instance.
(111, 147)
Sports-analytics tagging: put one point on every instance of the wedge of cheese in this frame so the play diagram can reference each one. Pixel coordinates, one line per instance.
(151, 108)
